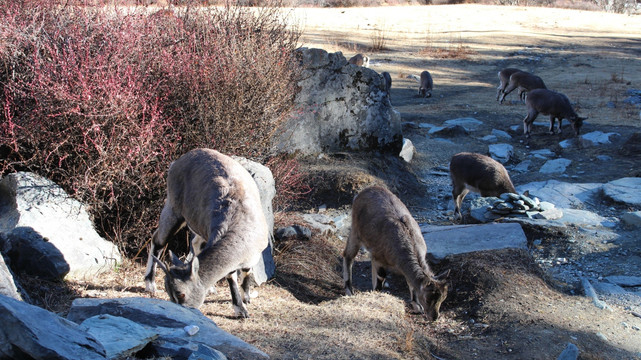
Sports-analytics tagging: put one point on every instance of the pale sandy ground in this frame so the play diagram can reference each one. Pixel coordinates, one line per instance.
(409, 26)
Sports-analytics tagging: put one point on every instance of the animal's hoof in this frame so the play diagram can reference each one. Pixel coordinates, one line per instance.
(416, 308)
(241, 313)
(349, 292)
(150, 287)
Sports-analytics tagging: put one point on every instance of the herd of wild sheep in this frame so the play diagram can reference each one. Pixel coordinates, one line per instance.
(218, 200)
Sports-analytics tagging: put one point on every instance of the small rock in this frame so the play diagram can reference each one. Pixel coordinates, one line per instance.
(523, 166)
(490, 138)
(566, 143)
(571, 352)
(501, 152)
(599, 138)
(528, 201)
(552, 214)
(407, 152)
(543, 153)
(449, 131)
(556, 166)
(470, 124)
(191, 329)
(501, 134)
(295, 231)
(632, 218)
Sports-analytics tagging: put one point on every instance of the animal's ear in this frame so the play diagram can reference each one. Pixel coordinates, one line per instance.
(443, 275)
(160, 264)
(175, 260)
(526, 193)
(195, 264)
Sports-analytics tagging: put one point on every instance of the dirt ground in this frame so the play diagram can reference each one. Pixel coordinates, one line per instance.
(502, 304)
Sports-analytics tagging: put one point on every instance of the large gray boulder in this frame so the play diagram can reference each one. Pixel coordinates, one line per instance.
(264, 179)
(29, 332)
(339, 107)
(169, 321)
(47, 229)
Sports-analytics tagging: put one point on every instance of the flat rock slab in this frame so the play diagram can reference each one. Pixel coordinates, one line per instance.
(30, 332)
(168, 320)
(470, 124)
(120, 336)
(625, 190)
(599, 138)
(563, 195)
(556, 166)
(459, 239)
(623, 280)
(570, 217)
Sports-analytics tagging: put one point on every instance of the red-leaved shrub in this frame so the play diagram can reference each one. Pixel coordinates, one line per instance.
(101, 100)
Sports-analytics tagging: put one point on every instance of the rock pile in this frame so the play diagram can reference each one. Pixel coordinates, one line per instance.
(513, 205)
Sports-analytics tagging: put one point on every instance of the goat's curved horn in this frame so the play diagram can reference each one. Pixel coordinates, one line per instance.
(160, 264)
(175, 260)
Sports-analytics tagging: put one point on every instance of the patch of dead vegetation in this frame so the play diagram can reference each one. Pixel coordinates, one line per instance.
(336, 179)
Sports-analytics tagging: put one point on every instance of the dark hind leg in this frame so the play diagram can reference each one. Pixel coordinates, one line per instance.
(168, 225)
(527, 122)
(351, 249)
(240, 309)
(378, 276)
(246, 280)
(459, 191)
(507, 90)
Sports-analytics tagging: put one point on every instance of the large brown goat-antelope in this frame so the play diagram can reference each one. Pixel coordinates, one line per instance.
(551, 103)
(383, 225)
(478, 173)
(359, 60)
(523, 81)
(219, 201)
(504, 79)
(425, 84)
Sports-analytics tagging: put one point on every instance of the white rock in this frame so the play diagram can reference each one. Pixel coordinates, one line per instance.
(44, 219)
(625, 190)
(556, 166)
(407, 152)
(598, 138)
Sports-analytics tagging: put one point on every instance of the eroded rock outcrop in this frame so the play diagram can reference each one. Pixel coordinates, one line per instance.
(339, 107)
